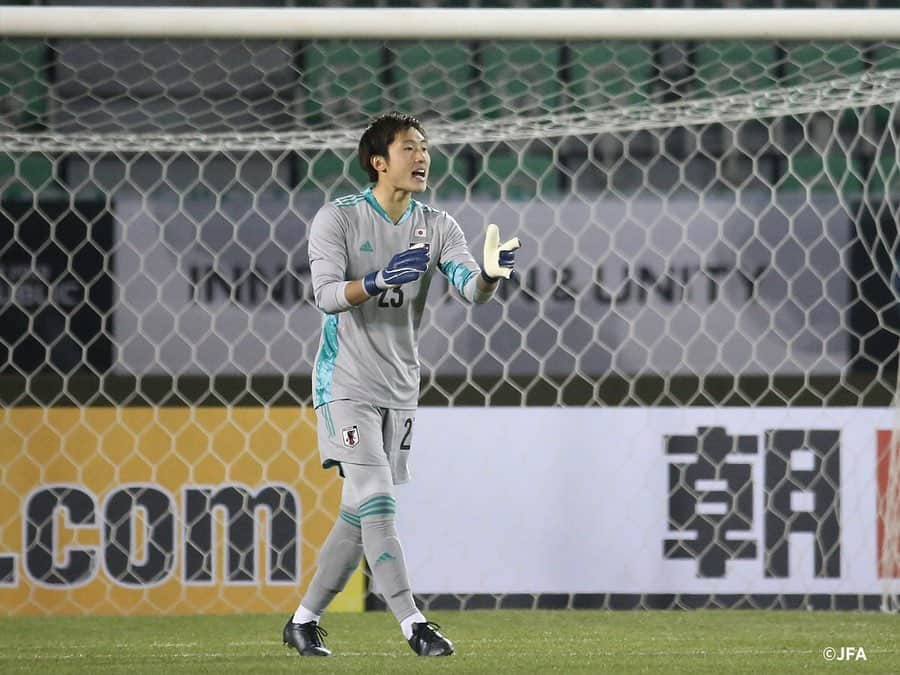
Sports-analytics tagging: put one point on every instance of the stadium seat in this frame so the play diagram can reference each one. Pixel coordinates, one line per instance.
(22, 86)
(436, 81)
(817, 173)
(24, 93)
(820, 62)
(604, 75)
(883, 177)
(449, 176)
(520, 78)
(505, 174)
(885, 56)
(343, 82)
(327, 170)
(731, 68)
(814, 62)
(23, 175)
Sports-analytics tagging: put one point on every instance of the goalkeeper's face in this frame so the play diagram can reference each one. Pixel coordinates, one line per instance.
(408, 162)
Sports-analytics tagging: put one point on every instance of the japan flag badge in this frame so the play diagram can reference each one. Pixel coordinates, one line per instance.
(350, 436)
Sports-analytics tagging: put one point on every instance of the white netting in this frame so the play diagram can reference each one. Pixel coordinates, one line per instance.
(705, 224)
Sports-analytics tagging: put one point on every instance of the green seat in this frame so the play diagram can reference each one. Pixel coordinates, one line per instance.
(340, 174)
(817, 173)
(883, 177)
(23, 91)
(518, 79)
(820, 62)
(733, 68)
(448, 176)
(885, 56)
(816, 62)
(22, 175)
(334, 174)
(517, 176)
(434, 80)
(603, 75)
(342, 83)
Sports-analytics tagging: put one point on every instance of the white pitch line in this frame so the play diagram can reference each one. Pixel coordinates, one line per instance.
(604, 653)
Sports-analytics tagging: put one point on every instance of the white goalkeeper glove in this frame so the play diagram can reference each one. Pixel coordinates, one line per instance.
(499, 259)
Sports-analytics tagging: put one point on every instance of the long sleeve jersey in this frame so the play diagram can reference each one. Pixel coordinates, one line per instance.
(370, 352)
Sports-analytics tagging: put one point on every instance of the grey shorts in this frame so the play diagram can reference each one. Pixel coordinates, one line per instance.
(361, 433)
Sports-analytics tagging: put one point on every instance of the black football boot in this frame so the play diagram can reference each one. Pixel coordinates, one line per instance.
(426, 641)
(306, 638)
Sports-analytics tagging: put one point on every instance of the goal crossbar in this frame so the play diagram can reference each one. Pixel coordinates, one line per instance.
(460, 23)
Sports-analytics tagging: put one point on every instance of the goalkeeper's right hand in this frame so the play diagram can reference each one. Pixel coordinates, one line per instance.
(403, 268)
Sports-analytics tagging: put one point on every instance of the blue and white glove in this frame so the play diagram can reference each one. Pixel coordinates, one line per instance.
(499, 259)
(403, 268)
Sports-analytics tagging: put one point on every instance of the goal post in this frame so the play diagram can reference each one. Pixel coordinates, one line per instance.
(694, 371)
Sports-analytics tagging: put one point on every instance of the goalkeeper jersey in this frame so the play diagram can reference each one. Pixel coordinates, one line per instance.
(369, 352)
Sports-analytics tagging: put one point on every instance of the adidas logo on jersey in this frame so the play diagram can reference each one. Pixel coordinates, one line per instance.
(366, 247)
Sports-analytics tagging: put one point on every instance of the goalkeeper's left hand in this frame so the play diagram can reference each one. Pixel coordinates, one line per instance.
(499, 259)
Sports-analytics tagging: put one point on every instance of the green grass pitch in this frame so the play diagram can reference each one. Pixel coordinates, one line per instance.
(576, 641)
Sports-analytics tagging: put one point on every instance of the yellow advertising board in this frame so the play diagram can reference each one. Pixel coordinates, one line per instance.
(157, 510)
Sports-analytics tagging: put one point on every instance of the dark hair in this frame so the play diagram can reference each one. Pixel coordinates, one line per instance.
(380, 134)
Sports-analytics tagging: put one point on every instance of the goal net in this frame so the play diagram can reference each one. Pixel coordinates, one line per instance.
(688, 387)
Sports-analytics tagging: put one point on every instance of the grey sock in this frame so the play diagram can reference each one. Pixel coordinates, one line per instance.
(385, 555)
(338, 559)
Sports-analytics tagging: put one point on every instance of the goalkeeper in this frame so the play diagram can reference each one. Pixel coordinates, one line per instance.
(372, 257)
